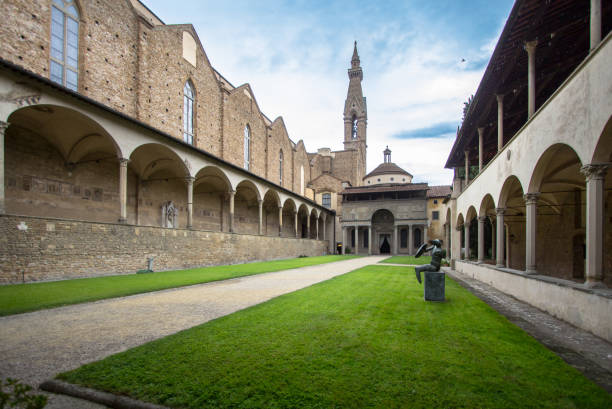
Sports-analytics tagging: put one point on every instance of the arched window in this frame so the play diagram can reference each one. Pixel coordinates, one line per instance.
(188, 98)
(354, 127)
(64, 62)
(280, 166)
(247, 147)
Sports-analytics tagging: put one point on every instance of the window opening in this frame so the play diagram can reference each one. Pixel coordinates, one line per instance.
(64, 56)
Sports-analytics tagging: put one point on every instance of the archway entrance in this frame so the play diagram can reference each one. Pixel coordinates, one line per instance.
(382, 229)
(385, 247)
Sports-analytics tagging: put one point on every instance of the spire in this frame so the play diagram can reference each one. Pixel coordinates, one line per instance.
(355, 60)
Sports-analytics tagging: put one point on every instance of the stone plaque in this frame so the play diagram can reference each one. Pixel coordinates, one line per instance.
(434, 286)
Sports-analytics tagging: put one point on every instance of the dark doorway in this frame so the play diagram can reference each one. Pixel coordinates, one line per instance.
(385, 248)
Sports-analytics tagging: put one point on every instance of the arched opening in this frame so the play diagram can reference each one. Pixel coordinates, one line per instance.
(313, 223)
(302, 221)
(512, 199)
(459, 226)
(561, 213)
(289, 212)
(160, 191)
(188, 111)
(61, 163)
(487, 216)
(270, 213)
(210, 200)
(471, 221)
(246, 208)
(382, 223)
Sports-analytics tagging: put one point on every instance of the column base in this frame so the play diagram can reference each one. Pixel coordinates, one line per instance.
(122, 220)
(480, 262)
(530, 272)
(500, 265)
(594, 284)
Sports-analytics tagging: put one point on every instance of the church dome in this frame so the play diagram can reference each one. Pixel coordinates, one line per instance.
(387, 172)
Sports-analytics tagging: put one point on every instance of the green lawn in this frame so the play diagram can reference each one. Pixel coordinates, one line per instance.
(364, 339)
(20, 298)
(408, 260)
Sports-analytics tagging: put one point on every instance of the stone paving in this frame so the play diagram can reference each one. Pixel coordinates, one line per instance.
(36, 346)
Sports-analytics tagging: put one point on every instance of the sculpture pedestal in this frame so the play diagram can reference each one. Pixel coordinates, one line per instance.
(434, 286)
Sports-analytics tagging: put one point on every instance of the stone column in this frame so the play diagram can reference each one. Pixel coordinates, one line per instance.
(260, 208)
(530, 47)
(356, 235)
(280, 221)
(425, 228)
(480, 147)
(595, 23)
(369, 240)
(466, 232)
(531, 212)
(500, 122)
(3, 128)
(467, 168)
(500, 236)
(344, 243)
(481, 238)
(308, 226)
(595, 176)
(493, 224)
(296, 225)
(122, 189)
(232, 193)
(410, 240)
(447, 238)
(189, 182)
(395, 246)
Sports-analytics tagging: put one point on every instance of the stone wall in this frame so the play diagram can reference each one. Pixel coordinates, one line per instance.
(38, 249)
(571, 302)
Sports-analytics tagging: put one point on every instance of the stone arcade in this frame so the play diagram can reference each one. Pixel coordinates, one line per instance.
(536, 221)
(119, 141)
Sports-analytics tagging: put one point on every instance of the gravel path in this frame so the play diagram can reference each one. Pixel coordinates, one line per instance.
(36, 346)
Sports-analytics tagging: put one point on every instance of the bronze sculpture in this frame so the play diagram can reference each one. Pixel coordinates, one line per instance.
(437, 254)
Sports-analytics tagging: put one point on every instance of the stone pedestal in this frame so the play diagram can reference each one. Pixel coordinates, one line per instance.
(434, 286)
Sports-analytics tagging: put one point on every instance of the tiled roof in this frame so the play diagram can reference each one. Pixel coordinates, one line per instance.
(385, 169)
(439, 191)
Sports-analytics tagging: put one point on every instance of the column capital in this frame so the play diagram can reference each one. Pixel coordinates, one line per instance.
(594, 171)
(500, 211)
(531, 198)
(3, 126)
(482, 219)
(480, 130)
(530, 46)
(231, 192)
(122, 161)
(500, 98)
(280, 207)
(189, 179)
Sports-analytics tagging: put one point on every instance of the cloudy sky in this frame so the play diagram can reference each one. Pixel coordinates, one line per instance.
(421, 60)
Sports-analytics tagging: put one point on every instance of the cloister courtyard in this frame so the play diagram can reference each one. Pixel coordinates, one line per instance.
(333, 331)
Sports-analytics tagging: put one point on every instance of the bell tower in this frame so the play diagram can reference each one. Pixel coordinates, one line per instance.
(356, 116)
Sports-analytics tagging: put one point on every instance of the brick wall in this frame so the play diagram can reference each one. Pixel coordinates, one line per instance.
(54, 249)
